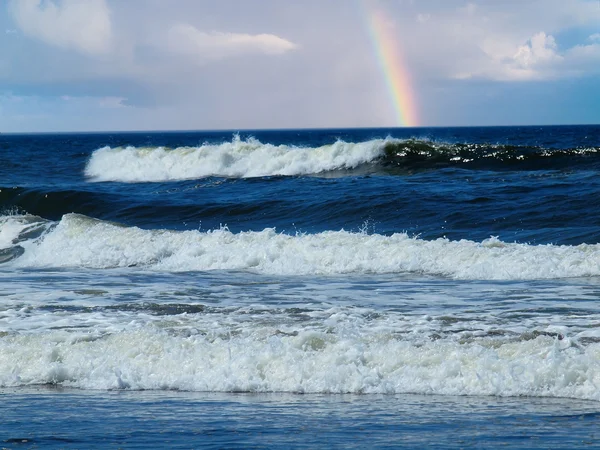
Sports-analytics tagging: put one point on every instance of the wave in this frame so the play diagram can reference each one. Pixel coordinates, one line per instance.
(80, 241)
(236, 159)
(251, 158)
(52, 203)
(15, 229)
(265, 359)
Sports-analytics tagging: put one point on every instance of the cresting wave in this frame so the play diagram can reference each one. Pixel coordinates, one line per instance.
(239, 159)
(307, 361)
(80, 241)
(251, 158)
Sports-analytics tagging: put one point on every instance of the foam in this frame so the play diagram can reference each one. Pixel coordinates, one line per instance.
(78, 241)
(16, 228)
(238, 158)
(264, 360)
(10, 228)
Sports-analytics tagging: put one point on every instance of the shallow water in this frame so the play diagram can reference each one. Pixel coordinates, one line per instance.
(58, 418)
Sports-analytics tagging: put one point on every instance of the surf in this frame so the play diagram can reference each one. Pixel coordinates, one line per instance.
(236, 159)
(261, 359)
(81, 241)
(250, 158)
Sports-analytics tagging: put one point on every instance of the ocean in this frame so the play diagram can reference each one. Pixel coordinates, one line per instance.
(349, 288)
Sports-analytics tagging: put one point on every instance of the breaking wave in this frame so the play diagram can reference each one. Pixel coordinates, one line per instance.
(309, 361)
(236, 159)
(251, 158)
(80, 241)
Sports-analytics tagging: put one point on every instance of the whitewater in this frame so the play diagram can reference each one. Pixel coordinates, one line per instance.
(248, 158)
(238, 158)
(79, 241)
(420, 287)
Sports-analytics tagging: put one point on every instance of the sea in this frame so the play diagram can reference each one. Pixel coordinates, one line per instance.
(326, 288)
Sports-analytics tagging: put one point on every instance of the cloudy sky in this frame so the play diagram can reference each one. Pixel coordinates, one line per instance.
(91, 65)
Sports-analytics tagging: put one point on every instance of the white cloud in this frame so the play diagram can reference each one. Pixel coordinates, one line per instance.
(540, 49)
(503, 41)
(103, 102)
(540, 59)
(82, 25)
(184, 38)
(537, 59)
(585, 58)
(143, 63)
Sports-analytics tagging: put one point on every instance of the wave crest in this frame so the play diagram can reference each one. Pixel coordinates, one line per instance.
(251, 158)
(236, 159)
(79, 241)
(310, 361)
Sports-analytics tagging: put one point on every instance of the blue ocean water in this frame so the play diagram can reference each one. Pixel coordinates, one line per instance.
(301, 288)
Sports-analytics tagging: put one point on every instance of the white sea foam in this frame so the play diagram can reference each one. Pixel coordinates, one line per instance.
(15, 228)
(262, 360)
(78, 241)
(10, 228)
(238, 158)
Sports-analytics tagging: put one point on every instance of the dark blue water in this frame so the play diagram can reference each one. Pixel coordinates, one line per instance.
(522, 184)
(351, 288)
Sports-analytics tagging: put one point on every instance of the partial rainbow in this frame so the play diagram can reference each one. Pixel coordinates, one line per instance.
(394, 69)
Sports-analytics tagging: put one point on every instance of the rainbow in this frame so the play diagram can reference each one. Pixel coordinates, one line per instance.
(390, 58)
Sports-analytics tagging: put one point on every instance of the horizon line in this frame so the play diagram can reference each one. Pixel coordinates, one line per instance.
(241, 130)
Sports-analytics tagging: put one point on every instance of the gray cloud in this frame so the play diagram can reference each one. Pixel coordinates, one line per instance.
(82, 25)
(195, 64)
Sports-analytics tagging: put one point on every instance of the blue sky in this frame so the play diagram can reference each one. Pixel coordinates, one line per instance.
(97, 65)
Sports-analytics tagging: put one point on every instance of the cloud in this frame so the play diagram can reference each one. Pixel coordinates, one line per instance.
(540, 49)
(186, 39)
(503, 41)
(540, 59)
(103, 102)
(177, 63)
(585, 58)
(82, 25)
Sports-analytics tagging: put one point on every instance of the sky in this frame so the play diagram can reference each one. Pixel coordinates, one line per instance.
(115, 65)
